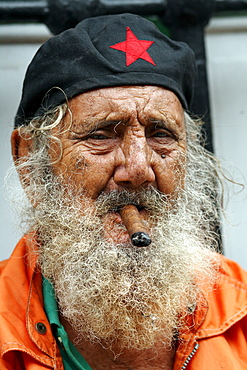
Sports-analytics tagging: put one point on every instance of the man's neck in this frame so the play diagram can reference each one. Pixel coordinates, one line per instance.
(100, 358)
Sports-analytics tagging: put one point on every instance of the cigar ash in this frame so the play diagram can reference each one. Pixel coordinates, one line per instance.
(134, 224)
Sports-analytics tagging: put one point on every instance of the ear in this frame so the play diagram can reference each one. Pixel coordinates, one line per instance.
(21, 144)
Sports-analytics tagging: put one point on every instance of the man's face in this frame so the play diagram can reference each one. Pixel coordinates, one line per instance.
(123, 138)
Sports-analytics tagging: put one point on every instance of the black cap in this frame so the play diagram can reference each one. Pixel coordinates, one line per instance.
(112, 50)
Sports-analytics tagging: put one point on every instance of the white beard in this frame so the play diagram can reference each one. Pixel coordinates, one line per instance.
(120, 293)
(117, 293)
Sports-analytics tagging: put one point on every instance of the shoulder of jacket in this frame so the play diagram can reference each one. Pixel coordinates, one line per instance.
(233, 271)
(2, 265)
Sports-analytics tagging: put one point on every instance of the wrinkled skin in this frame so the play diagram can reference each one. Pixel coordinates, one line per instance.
(127, 137)
(118, 139)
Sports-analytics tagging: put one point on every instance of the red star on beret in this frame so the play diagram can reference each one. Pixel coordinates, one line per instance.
(134, 48)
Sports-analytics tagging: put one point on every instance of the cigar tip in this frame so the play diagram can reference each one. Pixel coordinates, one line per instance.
(140, 239)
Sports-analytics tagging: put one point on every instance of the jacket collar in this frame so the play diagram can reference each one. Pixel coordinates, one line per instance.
(21, 312)
(227, 302)
(222, 305)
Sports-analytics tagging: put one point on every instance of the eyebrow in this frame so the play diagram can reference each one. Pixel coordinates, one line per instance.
(170, 124)
(167, 119)
(94, 124)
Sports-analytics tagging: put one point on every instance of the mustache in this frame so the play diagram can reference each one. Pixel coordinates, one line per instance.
(150, 198)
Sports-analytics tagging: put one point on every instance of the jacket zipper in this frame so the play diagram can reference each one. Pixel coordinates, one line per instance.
(188, 359)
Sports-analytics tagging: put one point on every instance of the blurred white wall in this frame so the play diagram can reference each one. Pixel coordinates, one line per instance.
(226, 43)
(18, 44)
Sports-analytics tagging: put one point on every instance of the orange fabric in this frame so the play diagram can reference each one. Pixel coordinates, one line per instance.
(21, 308)
(219, 324)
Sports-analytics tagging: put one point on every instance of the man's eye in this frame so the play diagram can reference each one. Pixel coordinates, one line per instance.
(97, 137)
(162, 133)
(100, 135)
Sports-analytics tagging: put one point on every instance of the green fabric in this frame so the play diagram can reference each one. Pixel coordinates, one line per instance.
(72, 359)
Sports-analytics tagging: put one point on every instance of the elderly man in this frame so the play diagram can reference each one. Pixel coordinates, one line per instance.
(101, 135)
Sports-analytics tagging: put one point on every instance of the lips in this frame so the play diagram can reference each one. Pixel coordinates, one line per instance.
(117, 217)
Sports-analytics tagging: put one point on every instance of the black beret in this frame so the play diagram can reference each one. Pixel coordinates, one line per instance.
(111, 50)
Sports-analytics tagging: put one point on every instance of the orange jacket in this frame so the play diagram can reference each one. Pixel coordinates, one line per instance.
(217, 339)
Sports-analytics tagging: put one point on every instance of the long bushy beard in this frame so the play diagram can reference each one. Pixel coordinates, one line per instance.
(111, 291)
(118, 293)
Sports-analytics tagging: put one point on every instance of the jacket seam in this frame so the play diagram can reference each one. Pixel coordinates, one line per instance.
(225, 326)
(22, 348)
(234, 282)
(29, 326)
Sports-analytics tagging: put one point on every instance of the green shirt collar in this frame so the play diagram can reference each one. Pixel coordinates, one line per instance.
(72, 359)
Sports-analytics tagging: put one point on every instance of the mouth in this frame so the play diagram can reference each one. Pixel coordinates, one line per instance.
(128, 224)
(135, 226)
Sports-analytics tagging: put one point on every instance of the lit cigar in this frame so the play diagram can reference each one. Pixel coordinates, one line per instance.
(134, 225)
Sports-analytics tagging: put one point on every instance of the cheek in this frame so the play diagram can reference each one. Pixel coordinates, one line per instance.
(171, 173)
(85, 171)
(71, 166)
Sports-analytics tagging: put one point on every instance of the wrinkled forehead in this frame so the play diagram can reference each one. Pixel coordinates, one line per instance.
(131, 98)
(125, 104)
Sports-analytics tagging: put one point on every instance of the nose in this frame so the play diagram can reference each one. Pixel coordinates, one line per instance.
(134, 168)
